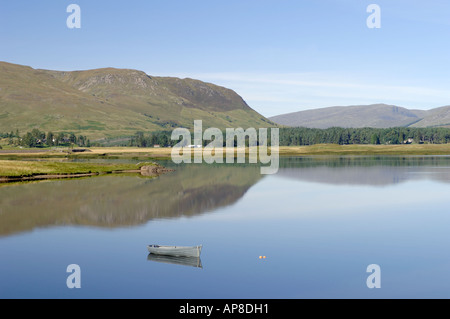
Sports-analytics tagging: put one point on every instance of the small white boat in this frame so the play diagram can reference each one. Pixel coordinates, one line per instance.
(191, 251)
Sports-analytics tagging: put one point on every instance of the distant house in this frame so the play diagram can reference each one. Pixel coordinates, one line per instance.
(408, 141)
(194, 146)
(156, 146)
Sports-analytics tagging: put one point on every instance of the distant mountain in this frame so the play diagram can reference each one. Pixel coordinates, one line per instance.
(435, 117)
(376, 115)
(114, 102)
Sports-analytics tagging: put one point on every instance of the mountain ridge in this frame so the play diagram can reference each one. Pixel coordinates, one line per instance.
(112, 102)
(358, 116)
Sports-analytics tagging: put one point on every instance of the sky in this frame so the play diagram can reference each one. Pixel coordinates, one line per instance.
(281, 56)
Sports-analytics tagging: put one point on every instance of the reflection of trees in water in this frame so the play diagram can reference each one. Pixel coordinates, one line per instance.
(114, 201)
(366, 170)
(341, 161)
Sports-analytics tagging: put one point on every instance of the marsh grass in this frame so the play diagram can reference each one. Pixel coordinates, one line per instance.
(154, 154)
(318, 149)
(335, 149)
(31, 168)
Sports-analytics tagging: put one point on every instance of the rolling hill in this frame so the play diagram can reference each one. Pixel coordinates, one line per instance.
(438, 117)
(357, 116)
(109, 102)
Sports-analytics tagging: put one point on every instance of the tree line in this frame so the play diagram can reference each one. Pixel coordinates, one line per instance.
(345, 136)
(37, 138)
(298, 136)
(164, 139)
(161, 138)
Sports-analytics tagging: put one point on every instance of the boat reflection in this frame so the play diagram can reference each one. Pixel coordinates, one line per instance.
(177, 260)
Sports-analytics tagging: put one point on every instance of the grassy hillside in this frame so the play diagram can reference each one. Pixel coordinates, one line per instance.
(114, 102)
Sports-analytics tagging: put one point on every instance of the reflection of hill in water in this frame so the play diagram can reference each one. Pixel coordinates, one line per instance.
(371, 171)
(114, 201)
(117, 201)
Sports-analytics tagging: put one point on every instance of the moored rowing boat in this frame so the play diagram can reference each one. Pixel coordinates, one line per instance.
(189, 251)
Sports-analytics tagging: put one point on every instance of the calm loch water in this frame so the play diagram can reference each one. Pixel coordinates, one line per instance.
(320, 222)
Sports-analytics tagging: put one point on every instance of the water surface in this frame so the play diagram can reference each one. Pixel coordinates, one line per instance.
(320, 222)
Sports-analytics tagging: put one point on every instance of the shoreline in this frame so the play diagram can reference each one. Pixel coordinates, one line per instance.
(31, 164)
(164, 153)
(145, 170)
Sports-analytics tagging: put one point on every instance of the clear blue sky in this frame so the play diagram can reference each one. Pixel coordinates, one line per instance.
(280, 55)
